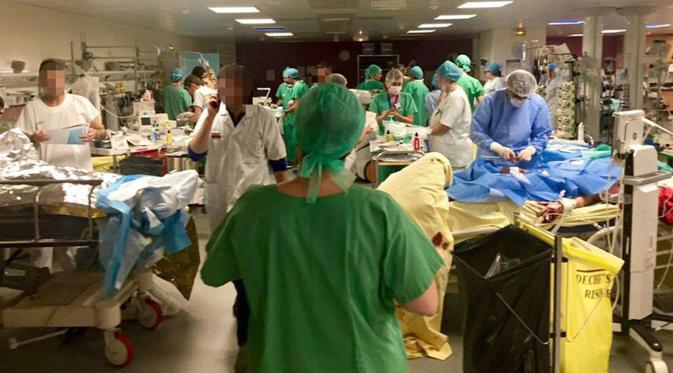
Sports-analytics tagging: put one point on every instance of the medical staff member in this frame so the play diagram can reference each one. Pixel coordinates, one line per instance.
(201, 94)
(322, 72)
(175, 98)
(242, 141)
(57, 110)
(393, 105)
(432, 99)
(418, 91)
(495, 81)
(325, 262)
(192, 83)
(450, 123)
(471, 86)
(373, 75)
(512, 123)
(551, 93)
(289, 97)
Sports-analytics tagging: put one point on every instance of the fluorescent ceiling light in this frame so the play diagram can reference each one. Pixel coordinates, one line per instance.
(663, 25)
(451, 17)
(565, 22)
(256, 21)
(613, 31)
(576, 35)
(484, 4)
(234, 9)
(426, 31)
(435, 25)
(279, 34)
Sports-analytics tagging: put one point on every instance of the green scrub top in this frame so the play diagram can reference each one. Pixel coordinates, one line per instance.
(418, 91)
(380, 105)
(371, 85)
(288, 94)
(322, 279)
(472, 88)
(176, 100)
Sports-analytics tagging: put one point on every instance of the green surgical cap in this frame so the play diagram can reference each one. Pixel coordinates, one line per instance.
(371, 71)
(464, 62)
(329, 123)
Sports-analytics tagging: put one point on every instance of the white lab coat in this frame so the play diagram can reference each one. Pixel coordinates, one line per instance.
(551, 93)
(454, 112)
(240, 158)
(74, 110)
(494, 84)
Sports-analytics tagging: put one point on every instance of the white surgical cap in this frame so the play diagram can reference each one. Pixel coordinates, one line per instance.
(522, 83)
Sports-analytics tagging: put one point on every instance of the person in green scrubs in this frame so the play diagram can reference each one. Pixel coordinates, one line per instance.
(372, 81)
(289, 93)
(418, 90)
(176, 99)
(325, 263)
(393, 105)
(471, 86)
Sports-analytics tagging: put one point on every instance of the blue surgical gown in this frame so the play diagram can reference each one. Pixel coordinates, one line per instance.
(497, 120)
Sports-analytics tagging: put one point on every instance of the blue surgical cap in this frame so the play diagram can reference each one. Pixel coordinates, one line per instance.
(417, 72)
(292, 73)
(176, 74)
(494, 69)
(552, 67)
(449, 71)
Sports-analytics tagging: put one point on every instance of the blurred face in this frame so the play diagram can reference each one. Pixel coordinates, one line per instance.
(52, 83)
(234, 89)
(443, 83)
(377, 76)
(288, 80)
(322, 75)
(208, 82)
(489, 75)
(394, 88)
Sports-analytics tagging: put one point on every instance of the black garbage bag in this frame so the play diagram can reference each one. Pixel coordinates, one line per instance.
(138, 165)
(504, 281)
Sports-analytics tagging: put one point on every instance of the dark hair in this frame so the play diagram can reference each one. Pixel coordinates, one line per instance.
(199, 71)
(192, 79)
(52, 64)
(2, 103)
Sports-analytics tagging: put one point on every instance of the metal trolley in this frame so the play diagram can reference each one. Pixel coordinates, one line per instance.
(68, 299)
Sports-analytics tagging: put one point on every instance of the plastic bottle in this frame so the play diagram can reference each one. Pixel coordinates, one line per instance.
(154, 136)
(417, 143)
(580, 132)
(389, 136)
(169, 138)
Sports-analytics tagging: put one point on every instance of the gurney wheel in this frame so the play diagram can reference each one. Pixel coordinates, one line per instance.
(118, 348)
(656, 366)
(150, 315)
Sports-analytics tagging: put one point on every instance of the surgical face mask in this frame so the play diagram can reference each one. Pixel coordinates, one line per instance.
(516, 102)
(394, 90)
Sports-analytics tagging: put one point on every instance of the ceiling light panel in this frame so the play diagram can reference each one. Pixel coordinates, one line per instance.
(565, 22)
(435, 25)
(234, 9)
(279, 34)
(452, 17)
(256, 21)
(484, 4)
(425, 31)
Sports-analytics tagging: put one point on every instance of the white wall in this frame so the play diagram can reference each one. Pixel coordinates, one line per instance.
(31, 34)
(496, 45)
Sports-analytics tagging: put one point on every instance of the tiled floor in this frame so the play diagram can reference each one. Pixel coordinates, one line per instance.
(202, 339)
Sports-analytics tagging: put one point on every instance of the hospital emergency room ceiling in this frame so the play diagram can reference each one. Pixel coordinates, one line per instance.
(339, 19)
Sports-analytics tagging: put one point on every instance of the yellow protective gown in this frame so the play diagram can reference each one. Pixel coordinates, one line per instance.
(420, 190)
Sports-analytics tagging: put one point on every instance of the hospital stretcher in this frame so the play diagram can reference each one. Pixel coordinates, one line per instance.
(69, 299)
